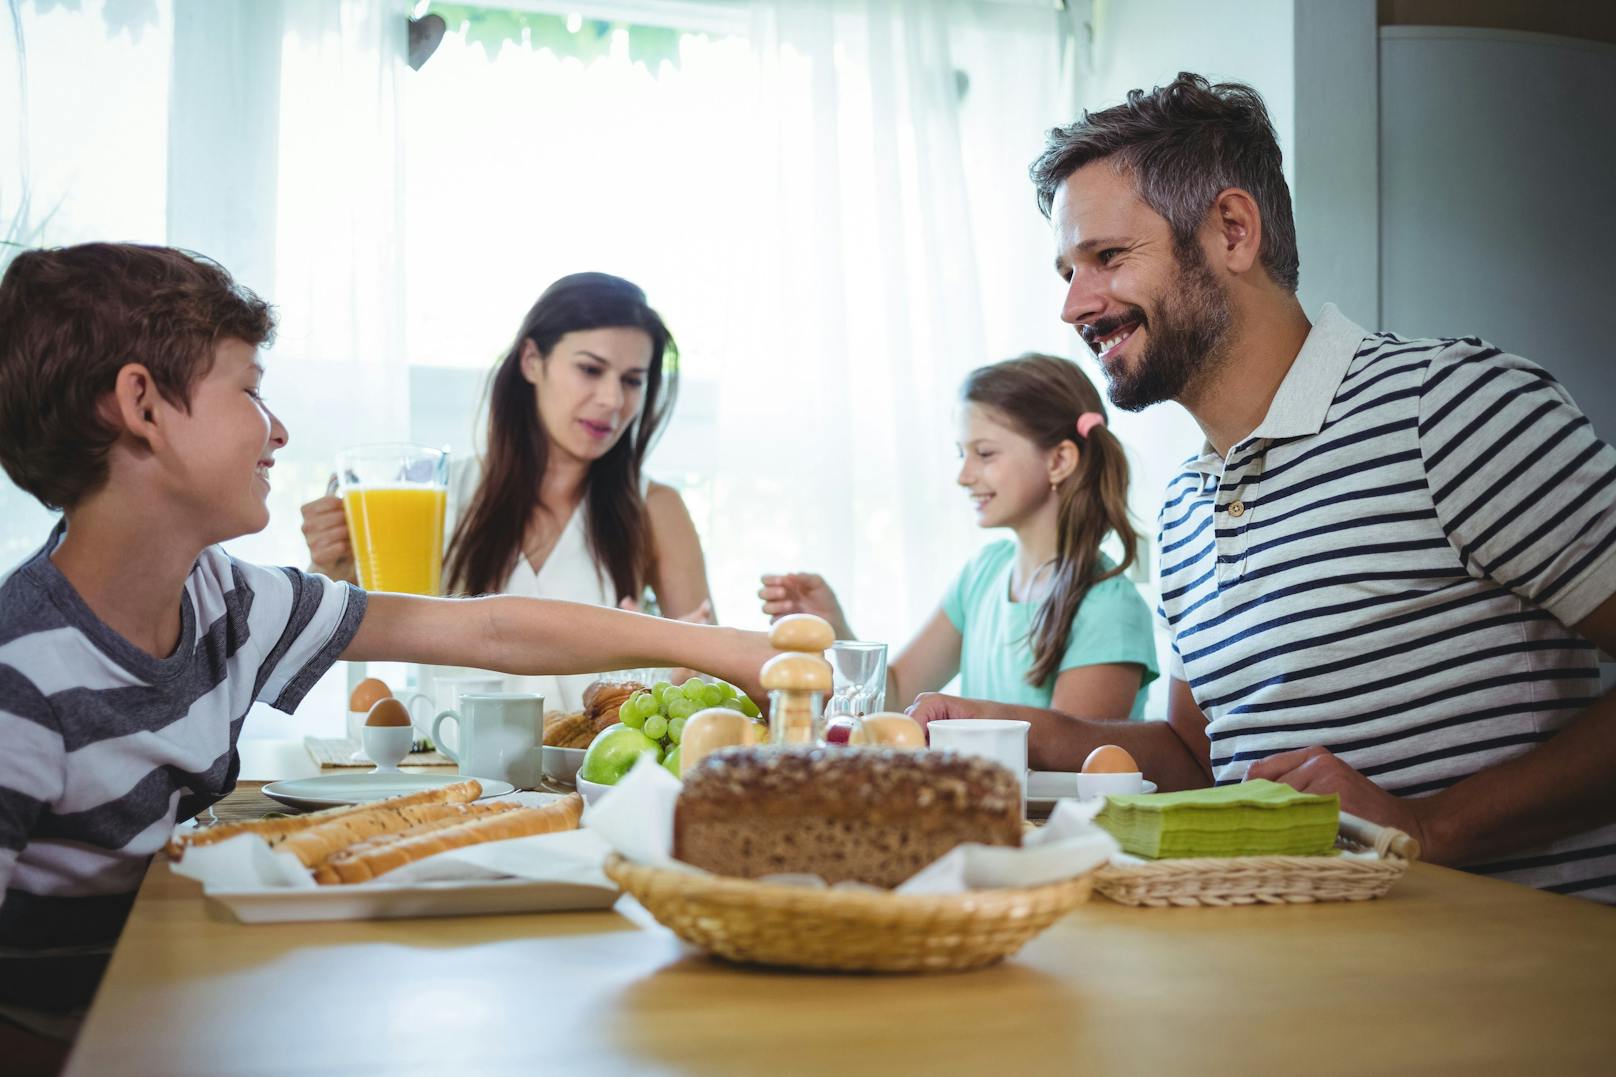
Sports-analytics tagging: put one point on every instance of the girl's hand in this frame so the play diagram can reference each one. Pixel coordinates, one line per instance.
(803, 592)
(325, 530)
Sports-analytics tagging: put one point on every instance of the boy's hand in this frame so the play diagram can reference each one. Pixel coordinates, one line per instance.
(803, 592)
(325, 531)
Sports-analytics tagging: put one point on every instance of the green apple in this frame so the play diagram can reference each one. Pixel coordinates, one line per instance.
(672, 762)
(613, 752)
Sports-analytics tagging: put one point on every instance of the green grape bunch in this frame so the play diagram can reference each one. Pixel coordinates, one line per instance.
(660, 712)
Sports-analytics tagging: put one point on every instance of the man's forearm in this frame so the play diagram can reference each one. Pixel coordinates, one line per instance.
(1059, 741)
(1559, 788)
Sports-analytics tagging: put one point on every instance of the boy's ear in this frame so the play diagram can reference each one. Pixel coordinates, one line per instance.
(135, 399)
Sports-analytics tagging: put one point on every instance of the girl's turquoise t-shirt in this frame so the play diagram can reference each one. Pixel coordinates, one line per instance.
(1112, 624)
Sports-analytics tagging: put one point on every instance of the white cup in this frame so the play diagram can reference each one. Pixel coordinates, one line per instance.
(1101, 785)
(445, 693)
(387, 745)
(500, 735)
(1002, 740)
(356, 723)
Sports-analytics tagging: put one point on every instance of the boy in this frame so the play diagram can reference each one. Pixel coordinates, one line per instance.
(132, 645)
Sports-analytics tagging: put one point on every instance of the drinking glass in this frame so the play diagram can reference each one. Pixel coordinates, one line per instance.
(858, 678)
(394, 497)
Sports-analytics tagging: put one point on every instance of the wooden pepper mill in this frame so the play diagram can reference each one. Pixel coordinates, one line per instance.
(799, 679)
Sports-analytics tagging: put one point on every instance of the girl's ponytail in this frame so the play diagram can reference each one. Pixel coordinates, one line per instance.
(1050, 401)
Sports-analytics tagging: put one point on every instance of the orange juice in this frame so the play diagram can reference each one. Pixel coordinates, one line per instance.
(397, 536)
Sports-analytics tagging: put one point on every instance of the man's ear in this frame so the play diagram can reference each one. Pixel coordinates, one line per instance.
(1238, 229)
(135, 400)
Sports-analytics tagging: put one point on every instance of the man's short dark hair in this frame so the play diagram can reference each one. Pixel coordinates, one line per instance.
(1183, 143)
(71, 317)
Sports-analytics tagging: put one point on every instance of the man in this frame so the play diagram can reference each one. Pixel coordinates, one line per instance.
(1384, 570)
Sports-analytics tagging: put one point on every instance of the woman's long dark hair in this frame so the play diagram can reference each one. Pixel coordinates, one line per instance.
(488, 539)
(1041, 397)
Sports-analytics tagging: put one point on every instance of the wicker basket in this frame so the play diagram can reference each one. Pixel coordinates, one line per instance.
(1268, 880)
(846, 930)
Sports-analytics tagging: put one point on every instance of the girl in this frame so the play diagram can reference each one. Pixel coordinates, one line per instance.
(1044, 619)
(558, 506)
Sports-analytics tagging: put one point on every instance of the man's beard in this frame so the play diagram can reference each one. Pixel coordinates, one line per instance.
(1185, 342)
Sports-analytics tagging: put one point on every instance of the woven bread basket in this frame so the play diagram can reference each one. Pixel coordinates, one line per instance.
(846, 930)
(1269, 880)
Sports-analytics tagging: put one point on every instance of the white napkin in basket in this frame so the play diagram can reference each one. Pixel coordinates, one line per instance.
(636, 820)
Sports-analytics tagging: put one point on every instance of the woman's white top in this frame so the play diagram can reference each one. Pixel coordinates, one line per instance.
(568, 574)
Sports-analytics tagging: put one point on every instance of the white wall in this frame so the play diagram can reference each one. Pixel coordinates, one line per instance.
(1145, 43)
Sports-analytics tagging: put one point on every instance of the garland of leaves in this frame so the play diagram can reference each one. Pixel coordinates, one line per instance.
(492, 27)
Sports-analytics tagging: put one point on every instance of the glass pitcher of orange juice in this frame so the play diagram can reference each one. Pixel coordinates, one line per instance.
(394, 497)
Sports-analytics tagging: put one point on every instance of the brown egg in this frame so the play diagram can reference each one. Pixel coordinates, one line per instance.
(888, 730)
(1109, 759)
(388, 711)
(366, 693)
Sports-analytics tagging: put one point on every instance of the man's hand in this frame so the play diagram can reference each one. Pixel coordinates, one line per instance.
(1316, 770)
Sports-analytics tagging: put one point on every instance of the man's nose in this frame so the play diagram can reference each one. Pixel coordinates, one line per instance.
(1084, 299)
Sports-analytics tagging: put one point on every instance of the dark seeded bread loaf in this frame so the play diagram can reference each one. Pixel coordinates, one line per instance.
(872, 816)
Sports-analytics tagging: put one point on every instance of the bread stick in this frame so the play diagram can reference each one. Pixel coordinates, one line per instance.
(325, 873)
(319, 843)
(360, 866)
(276, 831)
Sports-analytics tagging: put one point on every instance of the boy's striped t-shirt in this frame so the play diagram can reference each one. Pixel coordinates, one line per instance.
(1388, 567)
(104, 747)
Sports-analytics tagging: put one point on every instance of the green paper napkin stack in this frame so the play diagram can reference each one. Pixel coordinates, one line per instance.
(1257, 818)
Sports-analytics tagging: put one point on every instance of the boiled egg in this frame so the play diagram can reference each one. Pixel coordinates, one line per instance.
(388, 711)
(1109, 759)
(888, 730)
(366, 693)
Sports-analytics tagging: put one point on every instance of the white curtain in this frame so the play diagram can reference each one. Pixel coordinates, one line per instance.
(827, 198)
(868, 288)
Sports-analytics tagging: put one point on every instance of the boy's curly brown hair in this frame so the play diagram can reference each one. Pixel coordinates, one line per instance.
(71, 317)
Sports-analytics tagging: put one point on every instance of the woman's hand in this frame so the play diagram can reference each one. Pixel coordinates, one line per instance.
(325, 530)
(803, 592)
(701, 615)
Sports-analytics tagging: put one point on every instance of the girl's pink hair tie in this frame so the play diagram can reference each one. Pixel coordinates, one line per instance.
(1088, 421)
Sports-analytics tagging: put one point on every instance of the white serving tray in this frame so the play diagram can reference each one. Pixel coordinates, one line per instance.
(490, 897)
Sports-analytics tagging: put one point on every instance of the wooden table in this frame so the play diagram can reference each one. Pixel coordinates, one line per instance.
(1450, 973)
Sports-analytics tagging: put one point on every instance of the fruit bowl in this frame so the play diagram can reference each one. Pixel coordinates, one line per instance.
(592, 791)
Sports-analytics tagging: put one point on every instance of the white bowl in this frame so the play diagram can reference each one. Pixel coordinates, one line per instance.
(561, 764)
(592, 791)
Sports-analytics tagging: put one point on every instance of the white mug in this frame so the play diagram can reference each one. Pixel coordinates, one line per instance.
(1002, 740)
(444, 694)
(500, 735)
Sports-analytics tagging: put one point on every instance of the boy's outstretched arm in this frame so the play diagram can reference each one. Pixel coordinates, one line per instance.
(526, 636)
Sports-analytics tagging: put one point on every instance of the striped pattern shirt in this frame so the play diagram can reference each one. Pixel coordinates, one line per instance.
(103, 747)
(1387, 566)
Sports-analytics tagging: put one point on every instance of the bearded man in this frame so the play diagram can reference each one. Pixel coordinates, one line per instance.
(1387, 570)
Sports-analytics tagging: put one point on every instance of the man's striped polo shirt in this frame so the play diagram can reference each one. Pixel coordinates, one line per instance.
(1387, 567)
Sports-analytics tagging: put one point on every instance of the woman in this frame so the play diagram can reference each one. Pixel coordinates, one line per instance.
(558, 506)
(1043, 619)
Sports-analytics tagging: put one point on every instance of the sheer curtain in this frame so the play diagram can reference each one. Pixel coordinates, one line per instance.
(827, 198)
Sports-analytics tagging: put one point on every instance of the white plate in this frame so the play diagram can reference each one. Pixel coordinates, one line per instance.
(1045, 788)
(561, 764)
(335, 790)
